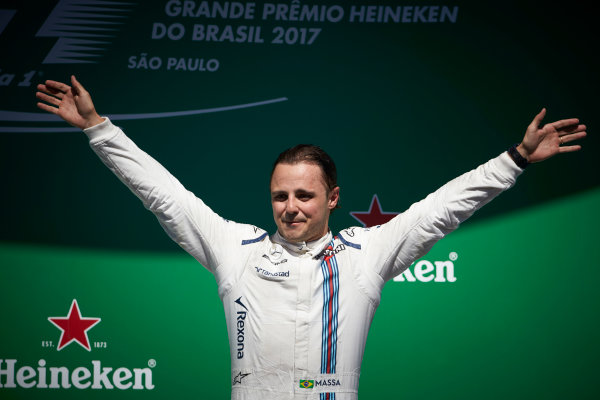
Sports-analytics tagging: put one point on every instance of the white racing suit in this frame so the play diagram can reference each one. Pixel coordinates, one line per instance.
(297, 314)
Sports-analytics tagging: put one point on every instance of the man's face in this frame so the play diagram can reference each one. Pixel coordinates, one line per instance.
(301, 201)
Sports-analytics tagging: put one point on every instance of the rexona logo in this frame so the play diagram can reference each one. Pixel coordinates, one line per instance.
(240, 324)
(427, 271)
(74, 329)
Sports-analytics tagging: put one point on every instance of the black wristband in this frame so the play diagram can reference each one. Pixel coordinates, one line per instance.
(517, 157)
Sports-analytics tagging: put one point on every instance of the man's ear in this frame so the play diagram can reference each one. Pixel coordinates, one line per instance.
(334, 197)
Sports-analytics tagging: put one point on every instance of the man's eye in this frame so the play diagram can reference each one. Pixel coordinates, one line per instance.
(304, 197)
(279, 197)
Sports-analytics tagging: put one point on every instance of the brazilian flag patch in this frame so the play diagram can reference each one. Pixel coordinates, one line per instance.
(306, 384)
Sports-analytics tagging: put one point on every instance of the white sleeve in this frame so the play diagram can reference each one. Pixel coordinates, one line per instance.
(185, 218)
(395, 245)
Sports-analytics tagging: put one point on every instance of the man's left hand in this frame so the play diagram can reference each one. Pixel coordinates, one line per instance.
(549, 140)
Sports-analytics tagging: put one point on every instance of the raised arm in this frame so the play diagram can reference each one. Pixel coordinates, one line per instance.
(186, 219)
(411, 234)
(71, 103)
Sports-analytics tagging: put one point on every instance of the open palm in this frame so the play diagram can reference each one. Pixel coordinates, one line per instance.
(71, 103)
(544, 142)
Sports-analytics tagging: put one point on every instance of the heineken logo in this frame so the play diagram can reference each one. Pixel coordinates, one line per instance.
(92, 374)
(307, 384)
(375, 216)
(427, 271)
(42, 376)
(74, 327)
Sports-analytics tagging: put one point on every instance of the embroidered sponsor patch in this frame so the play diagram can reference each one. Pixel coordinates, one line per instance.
(307, 384)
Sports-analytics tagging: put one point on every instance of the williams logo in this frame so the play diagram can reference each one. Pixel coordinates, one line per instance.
(74, 327)
(240, 324)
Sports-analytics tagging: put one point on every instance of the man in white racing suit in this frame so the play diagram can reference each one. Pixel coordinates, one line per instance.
(299, 303)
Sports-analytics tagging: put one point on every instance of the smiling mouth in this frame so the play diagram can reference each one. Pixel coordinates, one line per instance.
(293, 223)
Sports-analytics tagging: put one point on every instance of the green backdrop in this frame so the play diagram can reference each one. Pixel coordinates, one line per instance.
(401, 106)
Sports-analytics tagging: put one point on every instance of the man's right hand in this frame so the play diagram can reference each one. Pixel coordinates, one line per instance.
(71, 103)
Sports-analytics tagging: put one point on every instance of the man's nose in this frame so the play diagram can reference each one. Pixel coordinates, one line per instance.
(291, 206)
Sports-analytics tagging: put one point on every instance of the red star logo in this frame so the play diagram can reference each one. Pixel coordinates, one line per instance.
(374, 216)
(74, 327)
